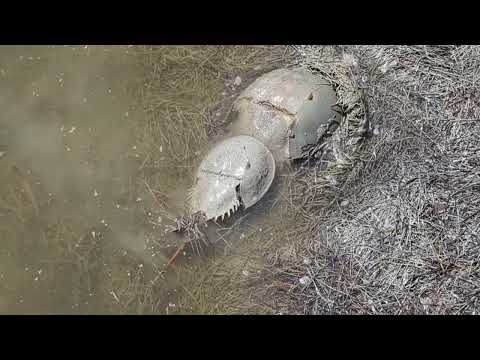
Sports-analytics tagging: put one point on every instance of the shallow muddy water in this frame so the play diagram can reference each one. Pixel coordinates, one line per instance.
(82, 223)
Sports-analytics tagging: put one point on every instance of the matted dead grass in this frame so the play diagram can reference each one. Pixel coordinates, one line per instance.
(399, 234)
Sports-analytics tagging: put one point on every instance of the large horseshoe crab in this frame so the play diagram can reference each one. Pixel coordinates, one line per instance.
(238, 171)
(286, 109)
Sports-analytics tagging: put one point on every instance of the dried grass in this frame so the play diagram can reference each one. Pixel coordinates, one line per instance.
(398, 232)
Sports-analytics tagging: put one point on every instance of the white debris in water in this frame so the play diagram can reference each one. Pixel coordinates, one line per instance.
(109, 91)
(117, 206)
(245, 273)
(258, 67)
(171, 305)
(344, 203)
(114, 296)
(2, 153)
(134, 147)
(307, 261)
(237, 81)
(138, 199)
(161, 148)
(376, 131)
(84, 100)
(72, 130)
(68, 149)
(305, 280)
(126, 114)
(95, 193)
(93, 234)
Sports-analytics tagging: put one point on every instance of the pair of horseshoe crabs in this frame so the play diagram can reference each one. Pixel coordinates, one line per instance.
(278, 115)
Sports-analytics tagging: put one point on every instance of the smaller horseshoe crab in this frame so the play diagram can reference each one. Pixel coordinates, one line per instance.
(238, 171)
(287, 110)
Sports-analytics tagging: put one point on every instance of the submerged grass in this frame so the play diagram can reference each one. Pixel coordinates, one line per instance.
(186, 94)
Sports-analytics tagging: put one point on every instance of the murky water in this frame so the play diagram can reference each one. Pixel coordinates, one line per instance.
(81, 220)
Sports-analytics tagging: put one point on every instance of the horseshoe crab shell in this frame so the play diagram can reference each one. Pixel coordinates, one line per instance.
(237, 171)
(286, 109)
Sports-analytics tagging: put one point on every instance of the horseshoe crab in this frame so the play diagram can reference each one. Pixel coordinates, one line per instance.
(237, 172)
(286, 109)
